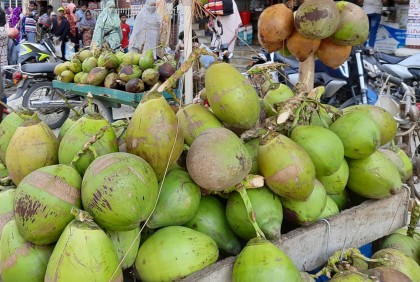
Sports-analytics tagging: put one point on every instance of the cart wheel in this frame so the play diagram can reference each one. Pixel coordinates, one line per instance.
(102, 109)
(43, 92)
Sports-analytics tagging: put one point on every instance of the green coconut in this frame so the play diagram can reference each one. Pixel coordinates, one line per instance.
(66, 76)
(353, 28)
(75, 66)
(231, 96)
(398, 260)
(7, 199)
(146, 60)
(387, 274)
(111, 80)
(374, 177)
(350, 276)
(84, 253)
(178, 200)
(407, 245)
(7, 128)
(408, 165)
(386, 122)
(131, 58)
(398, 163)
(111, 61)
(340, 199)
(43, 201)
(252, 146)
(119, 190)
(32, 146)
(77, 77)
(322, 145)
(194, 119)
(67, 125)
(150, 77)
(89, 64)
(317, 19)
(127, 244)
(218, 160)
(360, 134)
(120, 56)
(321, 118)
(3, 170)
(261, 260)
(174, 252)
(308, 211)
(84, 54)
(58, 69)
(268, 212)
(210, 219)
(20, 260)
(275, 96)
(97, 76)
(331, 208)
(291, 175)
(79, 134)
(153, 133)
(336, 182)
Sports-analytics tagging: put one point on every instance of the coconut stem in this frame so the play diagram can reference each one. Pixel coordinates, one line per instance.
(414, 220)
(89, 97)
(183, 69)
(63, 96)
(81, 215)
(250, 211)
(88, 145)
(6, 181)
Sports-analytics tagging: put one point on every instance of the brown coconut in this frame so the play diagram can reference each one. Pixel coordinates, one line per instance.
(331, 54)
(275, 25)
(301, 47)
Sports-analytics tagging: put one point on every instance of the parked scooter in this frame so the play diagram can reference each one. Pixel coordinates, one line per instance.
(28, 52)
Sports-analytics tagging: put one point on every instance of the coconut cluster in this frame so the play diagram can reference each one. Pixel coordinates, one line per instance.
(325, 28)
(131, 72)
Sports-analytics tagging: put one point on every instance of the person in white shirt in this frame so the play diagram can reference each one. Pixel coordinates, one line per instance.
(373, 9)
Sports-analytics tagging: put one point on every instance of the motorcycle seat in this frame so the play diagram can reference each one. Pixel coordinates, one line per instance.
(390, 58)
(39, 67)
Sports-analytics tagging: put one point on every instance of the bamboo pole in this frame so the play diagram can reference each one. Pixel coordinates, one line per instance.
(188, 78)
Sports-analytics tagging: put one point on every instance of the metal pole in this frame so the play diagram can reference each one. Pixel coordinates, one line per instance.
(188, 77)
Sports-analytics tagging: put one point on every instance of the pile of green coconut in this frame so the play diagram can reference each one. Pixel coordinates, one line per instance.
(171, 192)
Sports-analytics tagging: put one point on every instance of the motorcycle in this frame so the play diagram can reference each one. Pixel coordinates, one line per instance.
(344, 86)
(28, 52)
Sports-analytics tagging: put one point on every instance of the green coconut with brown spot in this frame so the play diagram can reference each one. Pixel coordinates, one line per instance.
(261, 260)
(119, 191)
(79, 134)
(126, 243)
(33, 146)
(218, 159)
(231, 96)
(268, 213)
(353, 28)
(7, 128)
(7, 199)
(194, 119)
(174, 252)
(288, 169)
(317, 19)
(43, 202)
(308, 211)
(178, 200)
(83, 253)
(153, 133)
(20, 259)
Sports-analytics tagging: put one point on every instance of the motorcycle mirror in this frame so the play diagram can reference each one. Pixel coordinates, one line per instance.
(219, 24)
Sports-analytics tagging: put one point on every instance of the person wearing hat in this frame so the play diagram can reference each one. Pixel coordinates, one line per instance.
(61, 29)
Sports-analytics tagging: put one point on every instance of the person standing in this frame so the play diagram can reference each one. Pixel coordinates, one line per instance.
(30, 22)
(80, 16)
(145, 34)
(71, 6)
(45, 20)
(125, 28)
(108, 28)
(61, 30)
(373, 9)
(87, 27)
(73, 30)
(3, 55)
(230, 25)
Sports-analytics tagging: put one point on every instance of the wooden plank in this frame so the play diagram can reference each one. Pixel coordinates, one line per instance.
(307, 246)
(103, 93)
